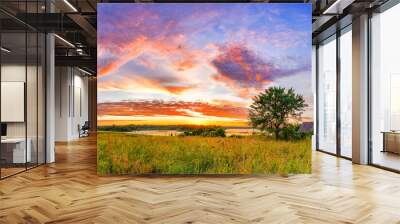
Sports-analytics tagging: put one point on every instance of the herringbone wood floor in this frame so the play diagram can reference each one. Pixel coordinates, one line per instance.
(69, 191)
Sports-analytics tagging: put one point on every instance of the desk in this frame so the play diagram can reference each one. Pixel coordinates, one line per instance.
(18, 150)
(391, 141)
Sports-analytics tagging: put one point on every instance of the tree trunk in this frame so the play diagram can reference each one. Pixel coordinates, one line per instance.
(277, 133)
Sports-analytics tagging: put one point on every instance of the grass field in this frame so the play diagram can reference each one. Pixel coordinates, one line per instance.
(122, 153)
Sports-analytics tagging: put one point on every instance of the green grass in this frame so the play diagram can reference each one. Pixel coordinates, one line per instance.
(120, 153)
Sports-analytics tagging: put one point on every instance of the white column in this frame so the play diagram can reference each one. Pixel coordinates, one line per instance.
(50, 98)
(360, 90)
(314, 90)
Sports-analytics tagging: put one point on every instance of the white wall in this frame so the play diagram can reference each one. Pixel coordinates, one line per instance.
(62, 82)
(12, 73)
(71, 102)
(80, 104)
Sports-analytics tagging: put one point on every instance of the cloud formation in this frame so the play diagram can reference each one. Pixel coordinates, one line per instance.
(171, 108)
(161, 83)
(244, 70)
(172, 49)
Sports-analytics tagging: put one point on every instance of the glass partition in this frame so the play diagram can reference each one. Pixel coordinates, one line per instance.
(13, 94)
(22, 88)
(327, 95)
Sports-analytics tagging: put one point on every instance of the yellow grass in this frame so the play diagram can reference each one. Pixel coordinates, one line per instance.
(120, 153)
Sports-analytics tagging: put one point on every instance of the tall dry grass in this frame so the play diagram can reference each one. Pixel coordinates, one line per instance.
(120, 153)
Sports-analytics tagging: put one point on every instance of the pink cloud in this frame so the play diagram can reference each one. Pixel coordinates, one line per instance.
(244, 71)
(171, 48)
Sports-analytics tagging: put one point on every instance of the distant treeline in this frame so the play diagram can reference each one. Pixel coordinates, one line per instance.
(182, 128)
(210, 131)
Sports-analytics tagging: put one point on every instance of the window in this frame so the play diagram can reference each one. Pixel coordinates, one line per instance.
(346, 92)
(327, 95)
(385, 89)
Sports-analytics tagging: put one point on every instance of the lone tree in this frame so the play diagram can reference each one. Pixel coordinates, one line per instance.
(271, 109)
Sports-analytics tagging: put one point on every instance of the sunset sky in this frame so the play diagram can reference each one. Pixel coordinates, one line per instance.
(201, 64)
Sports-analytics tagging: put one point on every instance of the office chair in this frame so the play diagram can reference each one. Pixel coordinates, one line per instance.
(84, 130)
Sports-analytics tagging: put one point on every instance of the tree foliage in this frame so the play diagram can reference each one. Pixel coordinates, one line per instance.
(272, 109)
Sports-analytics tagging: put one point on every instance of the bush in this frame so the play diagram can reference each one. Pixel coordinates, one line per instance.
(206, 132)
(292, 132)
(218, 132)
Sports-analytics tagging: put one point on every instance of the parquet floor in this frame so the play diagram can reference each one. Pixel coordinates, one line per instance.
(69, 191)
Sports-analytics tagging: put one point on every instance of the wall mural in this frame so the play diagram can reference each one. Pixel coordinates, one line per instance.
(204, 88)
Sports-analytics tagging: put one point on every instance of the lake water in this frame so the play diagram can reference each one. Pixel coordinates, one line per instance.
(229, 132)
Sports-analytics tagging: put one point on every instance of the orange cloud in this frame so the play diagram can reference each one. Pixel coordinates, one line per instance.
(184, 65)
(152, 83)
(171, 108)
(178, 89)
(170, 121)
(108, 68)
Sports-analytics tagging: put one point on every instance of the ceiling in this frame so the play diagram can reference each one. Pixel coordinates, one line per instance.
(332, 15)
(75, 22)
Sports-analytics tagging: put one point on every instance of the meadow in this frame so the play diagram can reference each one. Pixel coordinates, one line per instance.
(127, 153)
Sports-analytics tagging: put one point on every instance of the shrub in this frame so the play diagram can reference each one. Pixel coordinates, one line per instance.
(205, 132)
(292, 132)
